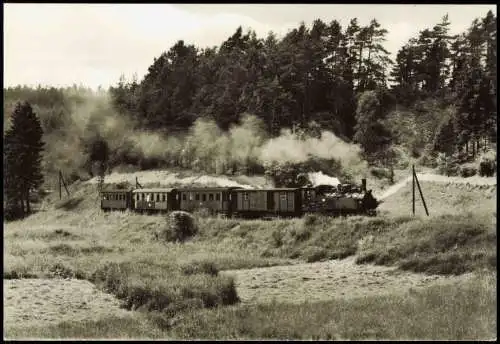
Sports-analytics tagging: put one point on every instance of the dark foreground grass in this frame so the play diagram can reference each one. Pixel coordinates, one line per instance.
(449, 244)
(312, 238)
(456, 312)
(446, 244)
(151, 287)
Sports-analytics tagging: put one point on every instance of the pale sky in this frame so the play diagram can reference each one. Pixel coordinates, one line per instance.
(93, 44)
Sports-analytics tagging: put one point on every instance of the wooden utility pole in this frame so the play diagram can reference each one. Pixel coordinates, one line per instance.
(415, 180)
(413, 189)
(137, 185)
(60, 195)
(61, 180)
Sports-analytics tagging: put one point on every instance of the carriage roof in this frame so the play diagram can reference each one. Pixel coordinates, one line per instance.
(209, 189)
(116, 191)
(155, 190)
(269, 189)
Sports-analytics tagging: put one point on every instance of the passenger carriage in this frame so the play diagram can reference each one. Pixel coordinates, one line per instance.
(154, 200)
(267, 202)
(115, 200)
(215, 200)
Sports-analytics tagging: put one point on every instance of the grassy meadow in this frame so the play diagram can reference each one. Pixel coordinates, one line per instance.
(177, 291)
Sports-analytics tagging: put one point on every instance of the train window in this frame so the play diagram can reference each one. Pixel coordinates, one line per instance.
(204, 197)
(217, 197)
(245, 196)
(104, 197)
(190, 196)
(158, 198)
(183, 196)
(210, 197)
(163, 198)
(197, 197)
(142, 197)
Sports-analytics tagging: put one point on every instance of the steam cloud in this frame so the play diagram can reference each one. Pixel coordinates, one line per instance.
(205, 148)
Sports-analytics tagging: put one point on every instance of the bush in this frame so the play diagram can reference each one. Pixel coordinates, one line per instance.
(467, 171)
(447, 165)
(380, 173)
(310, 220)
(314, 254)
(180, 226)
(487, 167)
(302, 234)
(203, 267)
(278, 236)
(61, 270)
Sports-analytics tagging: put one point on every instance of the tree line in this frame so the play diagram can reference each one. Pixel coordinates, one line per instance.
(338, 77)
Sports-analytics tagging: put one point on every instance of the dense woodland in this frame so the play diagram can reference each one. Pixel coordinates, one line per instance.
(435, 101)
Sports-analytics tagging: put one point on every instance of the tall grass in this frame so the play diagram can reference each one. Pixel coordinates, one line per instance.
(456, 312)
(460, 312)
(449, 244)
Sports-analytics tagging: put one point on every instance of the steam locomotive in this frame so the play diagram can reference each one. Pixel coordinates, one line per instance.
(344, 199)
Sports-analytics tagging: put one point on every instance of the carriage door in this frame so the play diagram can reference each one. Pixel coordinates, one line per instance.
(283, 202)
(291, 201)
(246, 201)
(223, 197)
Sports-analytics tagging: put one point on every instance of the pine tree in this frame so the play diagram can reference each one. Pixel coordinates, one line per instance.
(23, 148)
(371, 132)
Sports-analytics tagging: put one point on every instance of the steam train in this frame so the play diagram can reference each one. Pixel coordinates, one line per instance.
(344, 199)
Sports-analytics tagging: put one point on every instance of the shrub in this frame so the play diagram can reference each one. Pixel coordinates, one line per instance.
(447, 165)
(467, 171)
(310, 219)
(380, 173)
(303, 234)
(487, 167)
(203, 267)
(278, 238)
(180, 226)
(60, 270)
(314, 254)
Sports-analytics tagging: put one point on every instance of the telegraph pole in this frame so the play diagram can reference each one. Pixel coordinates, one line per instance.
(413, 189)
(415, 180)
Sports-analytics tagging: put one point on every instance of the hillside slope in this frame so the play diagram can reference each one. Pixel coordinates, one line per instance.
(443, 195)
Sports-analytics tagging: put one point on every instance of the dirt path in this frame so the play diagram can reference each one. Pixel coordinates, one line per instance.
(437, 179)
(327, 280)
(40, 302)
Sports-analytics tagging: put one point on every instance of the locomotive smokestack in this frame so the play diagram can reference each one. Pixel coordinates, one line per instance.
(363, 184)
